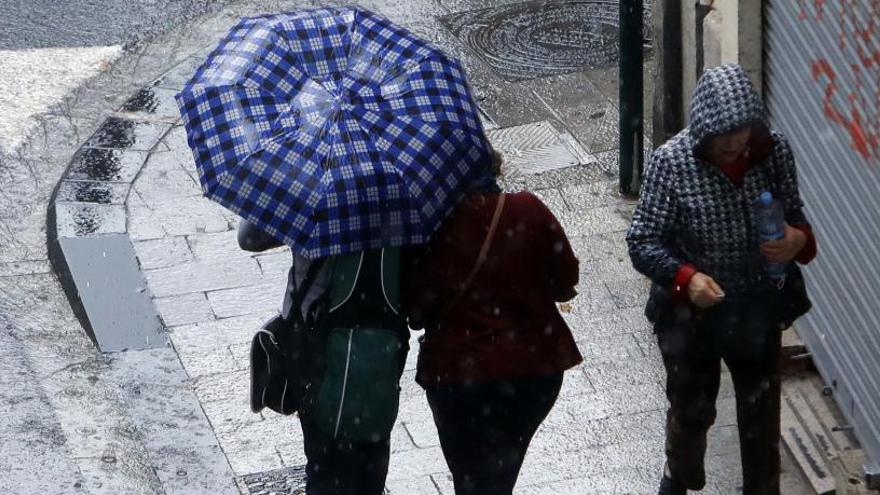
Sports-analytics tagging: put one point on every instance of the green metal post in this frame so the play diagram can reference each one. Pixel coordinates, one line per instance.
(631, 102)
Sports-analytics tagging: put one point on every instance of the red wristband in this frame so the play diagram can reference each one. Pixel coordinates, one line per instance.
(680, 284)
(808, 252)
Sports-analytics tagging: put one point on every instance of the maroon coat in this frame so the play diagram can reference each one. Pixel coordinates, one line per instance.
(507, 324)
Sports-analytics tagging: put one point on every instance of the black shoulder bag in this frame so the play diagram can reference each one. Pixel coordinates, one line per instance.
(280, 360)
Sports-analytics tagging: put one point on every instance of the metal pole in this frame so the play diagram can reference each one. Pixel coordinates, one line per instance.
(631, 105)
(668, 110)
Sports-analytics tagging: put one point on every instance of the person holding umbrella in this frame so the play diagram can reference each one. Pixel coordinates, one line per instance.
(343, 136)
(695, 234)
(495, 345)
(339, 465)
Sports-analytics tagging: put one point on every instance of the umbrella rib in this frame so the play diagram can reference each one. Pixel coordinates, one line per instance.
(316, 228)
(390, 158)
(237, 85)
(426, 57)
(432, 51)
(446, 124)
(384, 153)
(350, 39)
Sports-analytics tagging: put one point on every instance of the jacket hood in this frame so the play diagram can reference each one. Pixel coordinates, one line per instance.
(724, 100)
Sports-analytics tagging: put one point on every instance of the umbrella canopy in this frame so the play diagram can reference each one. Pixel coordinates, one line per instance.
(334, 130)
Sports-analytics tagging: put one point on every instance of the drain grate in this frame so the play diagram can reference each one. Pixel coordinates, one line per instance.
(286, 481)
(536, 148)
(543, 38)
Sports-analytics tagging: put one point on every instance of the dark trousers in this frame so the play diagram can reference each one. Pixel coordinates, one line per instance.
(485, 429)
(343, 468)
(692, 381)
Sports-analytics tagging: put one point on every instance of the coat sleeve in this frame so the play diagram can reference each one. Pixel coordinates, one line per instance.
(419, 298)
(653, 223)
(255, 239)
(787, 191)
(561, 262)
(786, 181)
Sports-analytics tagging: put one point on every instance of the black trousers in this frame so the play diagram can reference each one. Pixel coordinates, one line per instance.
(692, 379)
(485, 429)
(343, 468)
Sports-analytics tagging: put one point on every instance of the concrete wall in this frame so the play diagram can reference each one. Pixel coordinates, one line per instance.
(689, 47)
(750, 39)
(717, 32)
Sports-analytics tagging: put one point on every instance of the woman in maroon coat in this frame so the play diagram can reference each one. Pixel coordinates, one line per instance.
(492, 356)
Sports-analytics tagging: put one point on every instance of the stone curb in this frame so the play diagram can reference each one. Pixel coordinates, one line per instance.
(87, 232)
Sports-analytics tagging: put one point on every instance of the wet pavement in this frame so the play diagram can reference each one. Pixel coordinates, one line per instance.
(176, 419)
(49, 49)
(538, 38)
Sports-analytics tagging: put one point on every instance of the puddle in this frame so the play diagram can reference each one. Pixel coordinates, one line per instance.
(154, 101)
(114, 133)
(92, 192)
(291, 481)
(143, 101)
(117, 133)
(543, 38)
(79, 220)
(106, 165)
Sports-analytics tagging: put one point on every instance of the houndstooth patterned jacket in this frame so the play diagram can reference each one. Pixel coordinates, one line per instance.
(690, 212)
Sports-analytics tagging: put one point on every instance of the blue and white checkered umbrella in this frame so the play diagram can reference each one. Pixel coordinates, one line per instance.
(334, 130)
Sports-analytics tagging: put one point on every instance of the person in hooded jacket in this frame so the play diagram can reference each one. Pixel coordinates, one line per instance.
(693, 234)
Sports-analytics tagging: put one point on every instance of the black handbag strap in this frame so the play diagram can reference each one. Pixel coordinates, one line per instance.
(481, 258)
(303, 287)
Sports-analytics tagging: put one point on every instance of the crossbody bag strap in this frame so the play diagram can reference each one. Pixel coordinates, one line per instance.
(481, 258)
(299, 294)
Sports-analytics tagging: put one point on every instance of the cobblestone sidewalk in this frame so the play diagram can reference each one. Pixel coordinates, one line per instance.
(605, 433)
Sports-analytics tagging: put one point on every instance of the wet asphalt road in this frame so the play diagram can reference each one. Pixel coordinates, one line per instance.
(50, 48)
(26, 24)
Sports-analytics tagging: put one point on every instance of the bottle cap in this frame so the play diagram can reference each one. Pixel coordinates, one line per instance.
(766, 198)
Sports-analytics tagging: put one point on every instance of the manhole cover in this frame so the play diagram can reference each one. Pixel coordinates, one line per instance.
(287, 481)
(543, 38)
(536, 148)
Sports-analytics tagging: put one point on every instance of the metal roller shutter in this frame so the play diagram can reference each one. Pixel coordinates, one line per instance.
(822, 87)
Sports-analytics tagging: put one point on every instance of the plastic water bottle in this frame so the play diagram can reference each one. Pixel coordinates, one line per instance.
(771, 227)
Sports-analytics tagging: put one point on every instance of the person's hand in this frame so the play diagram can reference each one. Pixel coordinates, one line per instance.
(785, 249)
(703, 291)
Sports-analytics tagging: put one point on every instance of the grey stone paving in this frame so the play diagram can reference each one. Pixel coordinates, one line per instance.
(74, 420)
(176, 420)
(605, 433)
